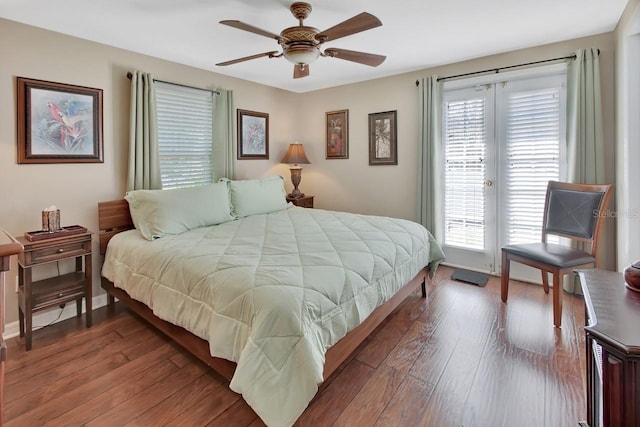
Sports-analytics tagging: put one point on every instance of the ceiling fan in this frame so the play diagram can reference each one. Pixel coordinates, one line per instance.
(301, 44)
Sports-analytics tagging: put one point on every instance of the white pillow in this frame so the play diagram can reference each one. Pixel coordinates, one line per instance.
(258, 196)
(158, 213)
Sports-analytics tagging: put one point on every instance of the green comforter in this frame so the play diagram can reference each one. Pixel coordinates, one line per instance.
(273, 292)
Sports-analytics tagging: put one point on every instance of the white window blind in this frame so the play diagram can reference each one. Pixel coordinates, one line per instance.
(185, 135)
(532, 147)
(465, 143)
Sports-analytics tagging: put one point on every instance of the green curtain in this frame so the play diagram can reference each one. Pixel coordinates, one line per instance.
(585, 140)
(429, 156)
(144, 164)
(224, 146)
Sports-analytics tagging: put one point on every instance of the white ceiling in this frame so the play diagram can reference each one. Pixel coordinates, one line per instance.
(416, 34)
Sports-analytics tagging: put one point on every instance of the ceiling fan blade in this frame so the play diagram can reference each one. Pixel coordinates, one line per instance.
(247, 58)
(300, 72)
(246, 27)
(364, 21)
(355, 56)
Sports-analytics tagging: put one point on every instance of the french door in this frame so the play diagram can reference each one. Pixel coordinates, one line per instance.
(502, 142)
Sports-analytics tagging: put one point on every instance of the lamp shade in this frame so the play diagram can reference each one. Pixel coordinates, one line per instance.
(295, 155)
(301, 54)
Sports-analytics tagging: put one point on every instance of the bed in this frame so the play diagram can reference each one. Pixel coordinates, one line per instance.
(274, 300)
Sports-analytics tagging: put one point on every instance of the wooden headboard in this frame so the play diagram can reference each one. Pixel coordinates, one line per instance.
(113, 218)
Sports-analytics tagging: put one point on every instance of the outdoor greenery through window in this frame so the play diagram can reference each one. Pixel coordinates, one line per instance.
(185, 135)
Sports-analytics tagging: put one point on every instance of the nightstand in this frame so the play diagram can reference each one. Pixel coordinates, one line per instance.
(303, 202)
(58, 290)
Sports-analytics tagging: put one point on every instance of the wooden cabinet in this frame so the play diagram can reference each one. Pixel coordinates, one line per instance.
(613, 350)
(303, 202)
(8, 246)
(57, 290)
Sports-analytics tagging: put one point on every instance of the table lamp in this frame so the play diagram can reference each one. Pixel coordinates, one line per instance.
(295, 155)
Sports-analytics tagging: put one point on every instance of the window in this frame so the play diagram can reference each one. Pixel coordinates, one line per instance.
(503, 140)
(464, 172)
(185, 135)
(532, 158)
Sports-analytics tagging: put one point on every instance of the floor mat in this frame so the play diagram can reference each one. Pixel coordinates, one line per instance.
(468, 276)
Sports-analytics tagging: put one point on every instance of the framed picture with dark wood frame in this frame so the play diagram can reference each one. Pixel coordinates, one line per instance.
(253, 135)
(338, 134)
(383, 138)
(58, 122)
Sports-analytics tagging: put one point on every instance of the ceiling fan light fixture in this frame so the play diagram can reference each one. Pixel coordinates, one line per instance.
(301, 54)
(301, 44)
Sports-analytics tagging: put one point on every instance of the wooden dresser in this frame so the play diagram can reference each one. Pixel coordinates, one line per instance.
(613, 350)
(8, 246)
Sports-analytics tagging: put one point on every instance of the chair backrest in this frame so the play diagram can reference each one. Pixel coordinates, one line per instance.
(575, 211)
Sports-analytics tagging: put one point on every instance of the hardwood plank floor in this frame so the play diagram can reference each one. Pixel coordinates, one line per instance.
(458, 358)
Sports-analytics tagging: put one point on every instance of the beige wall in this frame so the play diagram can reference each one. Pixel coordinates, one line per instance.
(350, 185)
(353, 185)
(77, 188)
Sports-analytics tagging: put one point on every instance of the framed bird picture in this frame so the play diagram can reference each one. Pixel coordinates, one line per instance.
(58, 123)
(253, 135)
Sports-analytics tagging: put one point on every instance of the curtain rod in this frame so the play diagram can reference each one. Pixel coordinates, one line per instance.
(498, 69)
(130, 76)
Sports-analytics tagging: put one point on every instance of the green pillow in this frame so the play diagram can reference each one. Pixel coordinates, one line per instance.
(258, 196)
(158, 213)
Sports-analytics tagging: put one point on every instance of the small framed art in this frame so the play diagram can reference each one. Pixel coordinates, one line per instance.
(58, 122)
(253, 135)
(338, 134)
(383, 143)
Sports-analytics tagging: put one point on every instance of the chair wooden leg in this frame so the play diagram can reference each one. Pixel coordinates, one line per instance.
(545, 282)
(504, 278)
(557, 300)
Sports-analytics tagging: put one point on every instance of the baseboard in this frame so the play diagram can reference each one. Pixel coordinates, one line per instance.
(44, 318)
(572, 289)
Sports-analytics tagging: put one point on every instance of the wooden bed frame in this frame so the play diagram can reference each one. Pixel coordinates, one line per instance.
(114, 217)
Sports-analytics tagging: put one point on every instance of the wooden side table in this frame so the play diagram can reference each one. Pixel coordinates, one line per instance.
(303, 202)
(612, 349)
(8, 246)
(58, 290)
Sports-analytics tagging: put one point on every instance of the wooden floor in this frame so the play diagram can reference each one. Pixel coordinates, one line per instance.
(459, 358)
